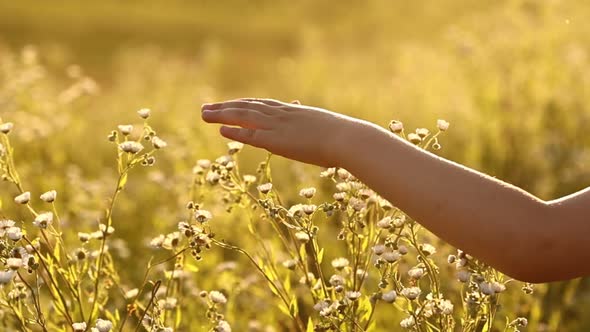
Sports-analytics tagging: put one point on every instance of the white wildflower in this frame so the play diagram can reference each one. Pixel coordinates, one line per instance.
(486, 288)
(339, 196)
(234, 147)
(442, 125)
(446, 307)
(336, 280)
(265, 188)
(389, 297)
(379, 249)
(302, 236)
(498, 287)
(428, 249)
(14, 233)
(222, 326)
(103, 325)
(217, 297)
(416, 273)
(6, 276)
(79, 327)
(158, 241)
(125, 129)
(84, 237)
(49, 197)
(411, 293)
(290, 264)
(131, 147)
(407, 322)
(43, 220)
(307, 192)
(402, 249)
(6, 127)
(414, 138)
(328, 172)
(23, 198)
(14, 263)
(353, 295)
(144, 113)
(159, 143)
(203, 216)
(391, 256)
(340, 263)
(131, 294)
(396, 126)
(385, 223)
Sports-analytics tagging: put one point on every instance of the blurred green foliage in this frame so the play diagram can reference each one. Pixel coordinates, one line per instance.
(512, 78)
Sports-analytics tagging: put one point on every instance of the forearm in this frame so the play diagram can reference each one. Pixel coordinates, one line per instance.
(494, 221)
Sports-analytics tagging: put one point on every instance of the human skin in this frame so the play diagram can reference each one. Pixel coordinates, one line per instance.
(524, 237)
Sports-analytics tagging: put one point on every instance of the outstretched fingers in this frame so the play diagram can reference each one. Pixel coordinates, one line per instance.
(242, 117)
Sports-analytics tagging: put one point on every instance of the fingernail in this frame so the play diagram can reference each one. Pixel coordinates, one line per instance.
(205, 106)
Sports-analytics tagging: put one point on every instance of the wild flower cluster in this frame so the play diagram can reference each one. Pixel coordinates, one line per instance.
(386, 262)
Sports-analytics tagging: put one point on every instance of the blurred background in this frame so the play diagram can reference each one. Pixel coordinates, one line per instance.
(511, 76)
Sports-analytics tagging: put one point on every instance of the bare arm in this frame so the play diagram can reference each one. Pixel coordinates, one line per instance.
(504, 226)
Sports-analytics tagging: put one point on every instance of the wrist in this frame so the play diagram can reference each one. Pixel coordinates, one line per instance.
(354, 143)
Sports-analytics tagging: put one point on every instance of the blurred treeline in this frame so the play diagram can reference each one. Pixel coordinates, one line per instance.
(512, 78)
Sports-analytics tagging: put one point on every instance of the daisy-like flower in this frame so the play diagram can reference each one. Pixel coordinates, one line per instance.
(79, 327)
(416, 273)
(144, 113)
(498, 287)
(5, 225)
(389, 297)
(396, 126)
(422, 132)
(14, 263)
(385, 223)
(336, 280)
(391, 256)
(14, 233)
(23, 198)
(249, 179)
(131, 147)
(379, 249)
(411, 293)
(265, 188)
(203, 216)
(6, 127)
(307, 192)
(43, 220)
(353, 296)
(340, 263)
(234, 147)
(414, 138)
(442, 125)
(408, 322)
(309, 209)
(6, 276)
(125, 129)
(302, 236)
(49, 196)
(104, 325)
(339, 196)
(222, 326)
(217, 297)
(290, 264)
(428, 249)
(158, 143)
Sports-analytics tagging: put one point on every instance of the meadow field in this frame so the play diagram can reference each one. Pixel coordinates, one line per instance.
(157, 223)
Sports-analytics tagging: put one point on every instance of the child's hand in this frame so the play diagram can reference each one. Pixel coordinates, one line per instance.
(308, 134)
